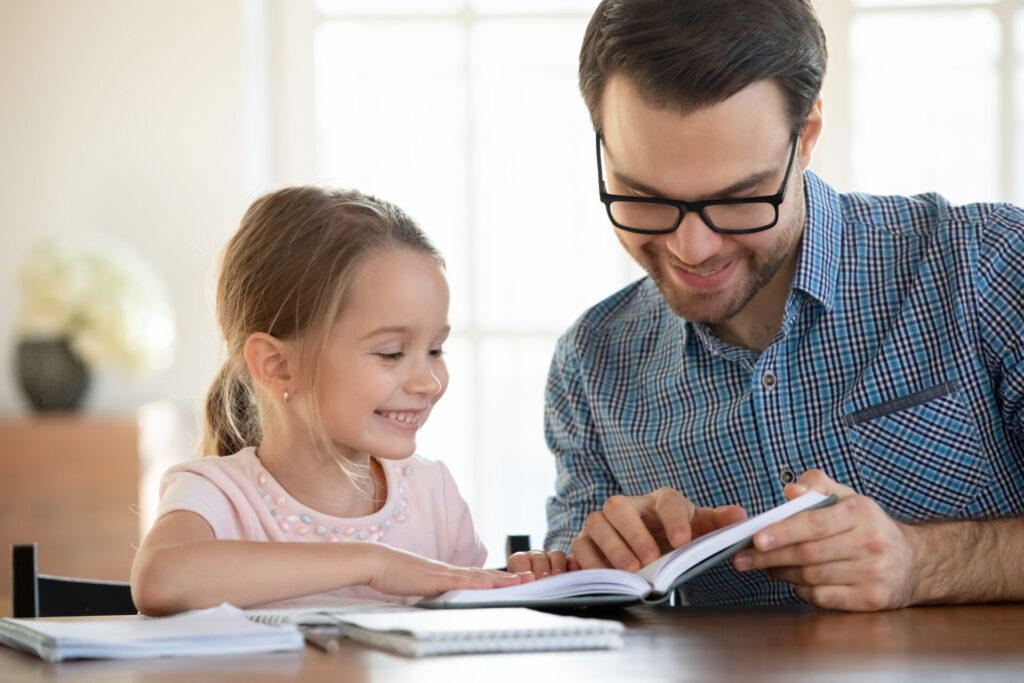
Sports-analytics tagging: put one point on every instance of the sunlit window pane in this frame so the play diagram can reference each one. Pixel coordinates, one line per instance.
(388, 7)
(446, 435)
(529, 6)
(924, 91)
(391, 120)
(545, 247)
(520, 472)
(1018, 108)
(912, 3)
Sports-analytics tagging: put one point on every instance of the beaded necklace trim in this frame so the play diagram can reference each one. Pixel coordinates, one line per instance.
(303, 521)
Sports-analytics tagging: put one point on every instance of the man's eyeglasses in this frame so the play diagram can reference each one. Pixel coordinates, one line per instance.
(659, 216)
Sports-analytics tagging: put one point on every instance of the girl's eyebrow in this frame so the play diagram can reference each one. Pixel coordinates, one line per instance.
(401, 329)
(391, 329)
(752, 180)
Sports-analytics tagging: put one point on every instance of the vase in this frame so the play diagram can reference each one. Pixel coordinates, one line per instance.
(52, 376)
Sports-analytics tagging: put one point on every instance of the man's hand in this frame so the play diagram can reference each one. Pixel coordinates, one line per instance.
(849, 556)
(630, 532)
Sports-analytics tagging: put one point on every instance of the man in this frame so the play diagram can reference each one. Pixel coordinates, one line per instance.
(787, 338)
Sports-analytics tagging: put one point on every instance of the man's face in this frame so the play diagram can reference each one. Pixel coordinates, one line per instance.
(737, 148)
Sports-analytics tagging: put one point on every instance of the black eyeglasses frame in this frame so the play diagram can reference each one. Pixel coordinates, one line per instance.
(774, 199)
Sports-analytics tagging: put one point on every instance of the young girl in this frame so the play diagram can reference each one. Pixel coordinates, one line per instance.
(334, 307)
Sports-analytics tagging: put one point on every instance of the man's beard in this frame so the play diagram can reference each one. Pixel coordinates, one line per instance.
(717, 306)
(714, 306)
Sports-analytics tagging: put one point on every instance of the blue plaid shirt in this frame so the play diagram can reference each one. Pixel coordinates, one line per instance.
(899, 371)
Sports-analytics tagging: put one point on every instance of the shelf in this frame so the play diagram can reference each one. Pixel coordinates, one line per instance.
(71, 485)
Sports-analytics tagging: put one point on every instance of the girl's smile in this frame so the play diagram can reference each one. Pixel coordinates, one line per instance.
(383, 369)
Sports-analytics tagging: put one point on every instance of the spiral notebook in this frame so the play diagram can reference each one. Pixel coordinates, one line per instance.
(220, 630)
(424, 632)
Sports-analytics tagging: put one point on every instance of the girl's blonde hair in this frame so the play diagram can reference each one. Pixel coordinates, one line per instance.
(288, 272)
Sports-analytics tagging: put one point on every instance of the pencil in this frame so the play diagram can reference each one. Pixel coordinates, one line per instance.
(325, 640)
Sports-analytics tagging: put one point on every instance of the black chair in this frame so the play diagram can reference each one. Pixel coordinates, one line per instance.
(515, 543)
(43, 595)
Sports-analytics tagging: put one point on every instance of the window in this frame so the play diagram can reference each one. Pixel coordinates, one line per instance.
(932, 94)
(467, 115)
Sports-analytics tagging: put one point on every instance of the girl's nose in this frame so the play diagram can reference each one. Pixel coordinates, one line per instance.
(424, 381)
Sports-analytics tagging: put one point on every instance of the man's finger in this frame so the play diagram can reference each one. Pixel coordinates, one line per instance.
(675, 514)
(848, 598)
(806, 526)
(843, 573)
(540, 565)
(706, 520)
(608, 529)
(816, 480)
(587, 555)
(835, 549)
(559, 562)
(518, 562)
(624, 537)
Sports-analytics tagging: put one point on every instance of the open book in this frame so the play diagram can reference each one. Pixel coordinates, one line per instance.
(652, 584)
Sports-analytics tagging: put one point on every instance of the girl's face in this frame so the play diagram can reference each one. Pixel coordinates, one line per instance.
(382, 369)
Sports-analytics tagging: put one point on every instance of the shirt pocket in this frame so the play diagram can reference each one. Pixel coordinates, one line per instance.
(919, 455)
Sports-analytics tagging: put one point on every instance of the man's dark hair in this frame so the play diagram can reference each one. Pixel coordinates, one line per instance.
(684, 55)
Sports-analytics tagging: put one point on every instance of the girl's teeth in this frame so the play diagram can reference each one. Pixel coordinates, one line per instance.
(402, 417)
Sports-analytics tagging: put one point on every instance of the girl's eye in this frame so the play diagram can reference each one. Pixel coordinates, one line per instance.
(436, 353)
(391, 356)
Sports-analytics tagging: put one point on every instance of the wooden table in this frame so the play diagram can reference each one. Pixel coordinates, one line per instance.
(971, 643)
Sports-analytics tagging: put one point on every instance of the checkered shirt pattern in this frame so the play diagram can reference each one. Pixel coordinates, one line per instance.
(899, 371)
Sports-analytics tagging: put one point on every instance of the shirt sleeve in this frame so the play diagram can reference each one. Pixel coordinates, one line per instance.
(464, 546)
(1000, 293)
(583, 479)
(183, 490)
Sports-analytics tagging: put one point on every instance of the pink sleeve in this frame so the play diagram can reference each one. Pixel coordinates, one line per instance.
(181, 490)
(464, 547)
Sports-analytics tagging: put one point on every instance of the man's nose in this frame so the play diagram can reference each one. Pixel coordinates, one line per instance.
(693, 242)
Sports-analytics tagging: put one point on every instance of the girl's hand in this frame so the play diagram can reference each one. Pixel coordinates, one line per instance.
(398, 572)
(538, 562)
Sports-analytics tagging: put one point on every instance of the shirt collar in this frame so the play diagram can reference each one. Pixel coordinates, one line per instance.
(818, 268)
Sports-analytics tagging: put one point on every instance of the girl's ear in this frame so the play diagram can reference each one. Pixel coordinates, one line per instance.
(270, 362)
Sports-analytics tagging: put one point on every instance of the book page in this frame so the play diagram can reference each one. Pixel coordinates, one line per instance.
(663, 572)
(558, 586)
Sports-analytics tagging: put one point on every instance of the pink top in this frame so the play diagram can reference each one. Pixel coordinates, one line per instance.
(240, 500)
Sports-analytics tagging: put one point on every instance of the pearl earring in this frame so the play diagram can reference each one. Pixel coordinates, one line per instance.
(285, 397)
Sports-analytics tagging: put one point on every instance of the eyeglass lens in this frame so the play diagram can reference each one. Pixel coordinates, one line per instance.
(657, 216)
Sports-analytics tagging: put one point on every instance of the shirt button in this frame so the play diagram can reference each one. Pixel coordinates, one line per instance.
(787, 476)
(768, 380)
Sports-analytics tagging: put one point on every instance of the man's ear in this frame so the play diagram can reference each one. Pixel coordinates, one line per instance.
(813, 125)
(270, 362)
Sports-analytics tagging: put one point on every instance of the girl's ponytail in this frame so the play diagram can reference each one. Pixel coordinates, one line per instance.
(232, 418)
